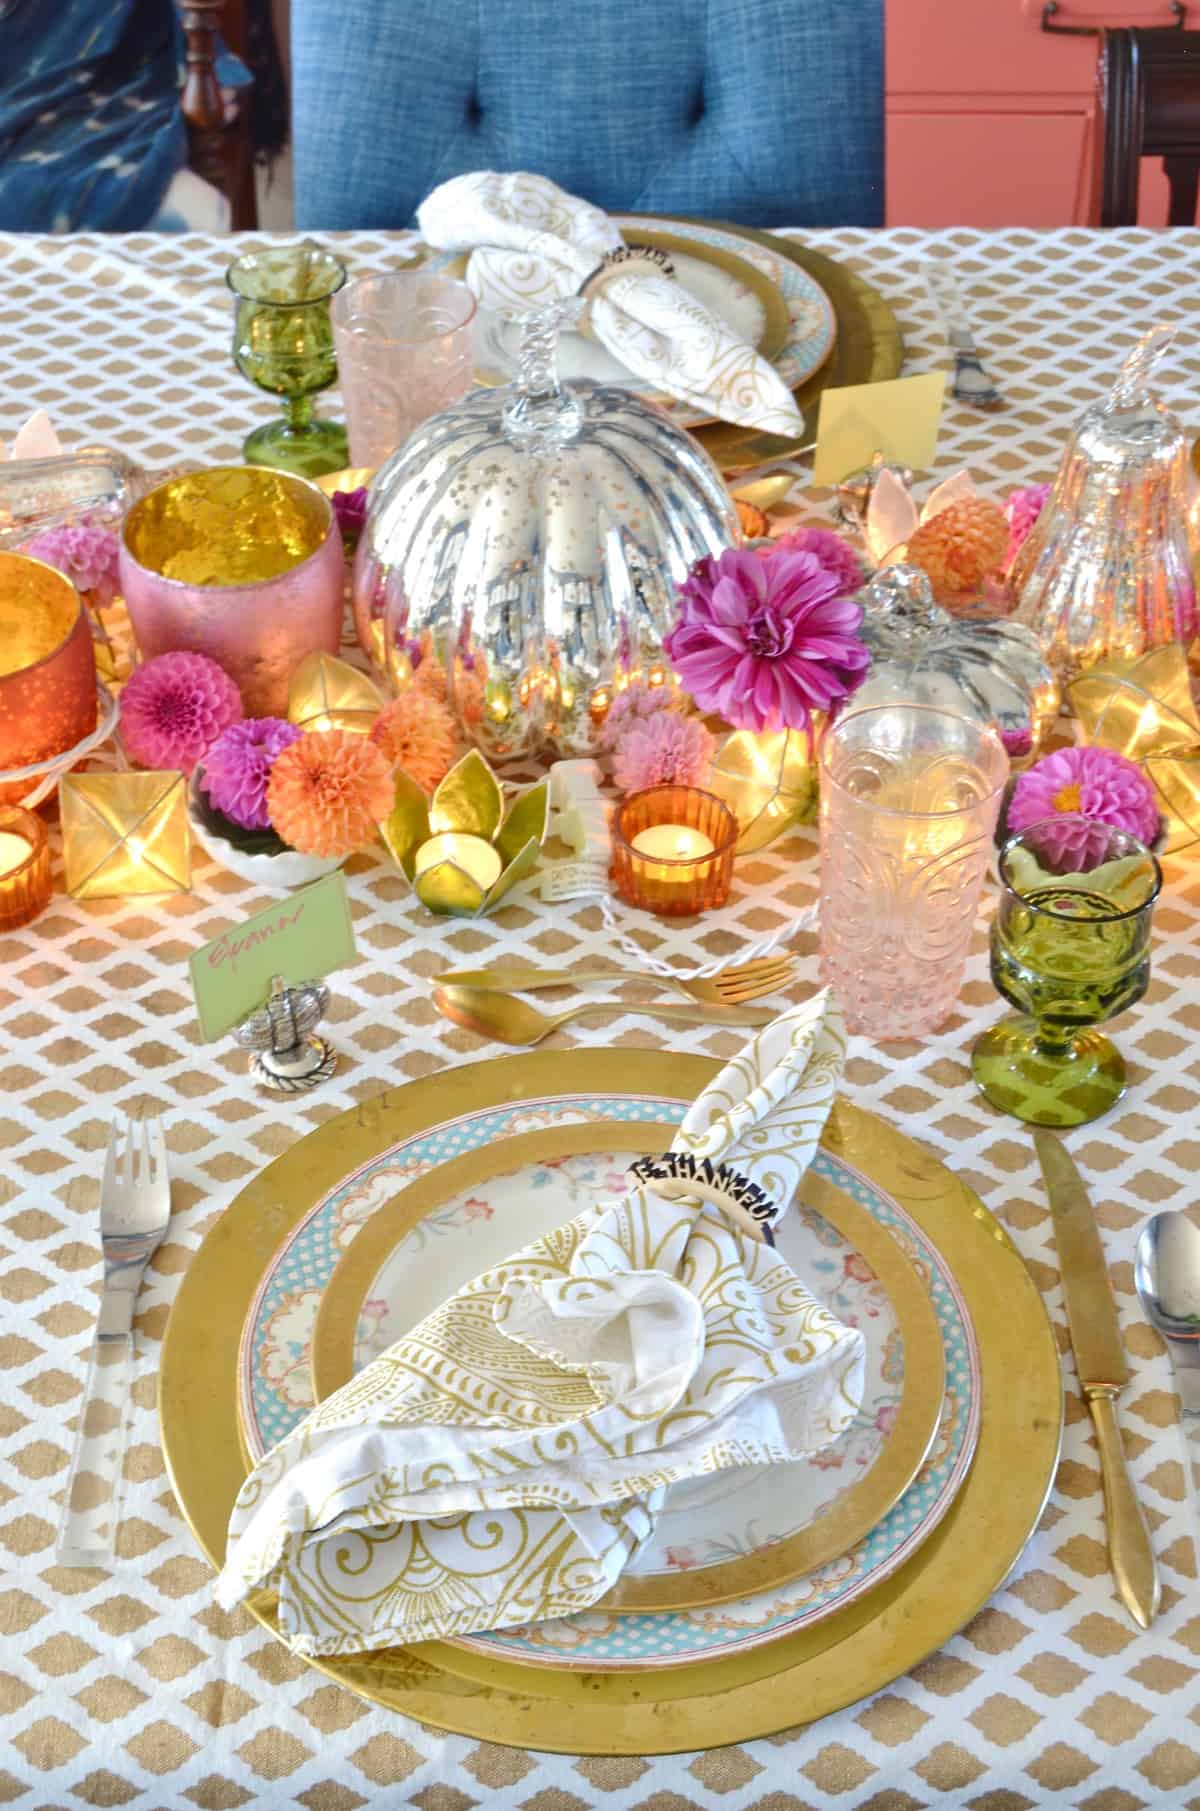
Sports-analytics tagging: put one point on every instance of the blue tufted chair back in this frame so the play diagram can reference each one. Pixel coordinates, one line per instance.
(765, 111)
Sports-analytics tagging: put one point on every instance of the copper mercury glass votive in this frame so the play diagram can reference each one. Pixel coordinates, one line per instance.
(672, 851)
(243, 564)
(47, 666)
(24, 867)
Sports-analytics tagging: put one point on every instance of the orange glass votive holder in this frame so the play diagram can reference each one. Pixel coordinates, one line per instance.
(673, 851)
(47, 667)
(24, 866)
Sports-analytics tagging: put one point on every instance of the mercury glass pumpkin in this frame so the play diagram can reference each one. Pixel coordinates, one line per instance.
(532, 540)
(992, 671)
(1106, 572)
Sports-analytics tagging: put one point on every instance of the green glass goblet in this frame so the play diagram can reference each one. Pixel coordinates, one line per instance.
(283, 342)
(1070, 948)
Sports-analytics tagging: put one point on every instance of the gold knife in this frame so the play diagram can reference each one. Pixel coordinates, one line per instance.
(1103, 1371)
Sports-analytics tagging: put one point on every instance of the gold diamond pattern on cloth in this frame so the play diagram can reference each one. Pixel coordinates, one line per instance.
(133, 1688)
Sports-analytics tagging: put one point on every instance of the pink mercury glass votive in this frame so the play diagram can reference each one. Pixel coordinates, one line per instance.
(909, 802)
(242, 563)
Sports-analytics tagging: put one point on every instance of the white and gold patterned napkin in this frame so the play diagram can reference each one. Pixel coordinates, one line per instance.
(531, 243)
(502, 1462)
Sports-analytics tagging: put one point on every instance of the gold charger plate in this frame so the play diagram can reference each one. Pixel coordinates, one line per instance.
(797, 1679)
(857, 1510)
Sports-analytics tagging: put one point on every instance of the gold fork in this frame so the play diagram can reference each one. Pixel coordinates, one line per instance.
(731, 987)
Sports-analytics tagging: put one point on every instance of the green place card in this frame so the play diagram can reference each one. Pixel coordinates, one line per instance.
(300, 938)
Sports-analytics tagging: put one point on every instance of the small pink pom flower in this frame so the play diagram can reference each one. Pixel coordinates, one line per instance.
(1022, 507)
(663, 750)
(174, 707)
(1093, 790)
(89, 556)
(766, 642)
(238, 766)
(832, 550)
(636, 704)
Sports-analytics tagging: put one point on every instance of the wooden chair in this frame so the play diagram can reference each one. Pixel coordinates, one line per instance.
(1150, 107)
(220, 147)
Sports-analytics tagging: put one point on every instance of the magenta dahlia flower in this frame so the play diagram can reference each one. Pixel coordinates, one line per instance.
(238, 766)
(663, 750)
(350, 508)
(832, 550)
(1093, 790)
(89, 556)
(766, 642)
(174, 707)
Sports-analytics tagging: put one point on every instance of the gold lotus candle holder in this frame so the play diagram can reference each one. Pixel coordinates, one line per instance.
(24, 867)
(673, 850)
(328, 693)
(769, 782)
(47, 667)
(460, 850)
(125, 833)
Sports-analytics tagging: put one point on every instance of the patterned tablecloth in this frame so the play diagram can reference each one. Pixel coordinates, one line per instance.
(134, 1689)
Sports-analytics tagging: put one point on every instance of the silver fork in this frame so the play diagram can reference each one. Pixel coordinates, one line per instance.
(135, 1207)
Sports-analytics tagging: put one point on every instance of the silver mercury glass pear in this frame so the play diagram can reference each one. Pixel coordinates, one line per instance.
(532, 539)
(1106, 570)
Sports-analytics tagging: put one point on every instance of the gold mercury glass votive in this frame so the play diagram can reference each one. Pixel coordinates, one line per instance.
(24, 867)
(47, 667)
(243, 564)
(673, 851)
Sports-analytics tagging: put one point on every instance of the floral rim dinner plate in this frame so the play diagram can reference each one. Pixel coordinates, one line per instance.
(275, 1391)
(718, 1537)
(854, 1652)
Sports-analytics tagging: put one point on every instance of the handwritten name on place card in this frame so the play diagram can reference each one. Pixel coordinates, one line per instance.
(300, 938)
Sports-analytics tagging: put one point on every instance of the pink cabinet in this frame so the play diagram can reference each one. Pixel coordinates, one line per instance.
(991, 121)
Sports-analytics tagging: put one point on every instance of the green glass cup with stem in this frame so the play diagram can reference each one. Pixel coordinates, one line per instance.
(1070, 948)
(283, 342)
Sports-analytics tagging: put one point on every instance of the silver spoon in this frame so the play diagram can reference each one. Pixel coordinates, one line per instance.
(1166, 1275)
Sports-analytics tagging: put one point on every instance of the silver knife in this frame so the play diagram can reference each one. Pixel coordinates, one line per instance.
(971, 382)
(1103, 1371)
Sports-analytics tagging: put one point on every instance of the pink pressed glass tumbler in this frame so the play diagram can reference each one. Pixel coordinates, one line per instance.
(404, 353)
(909, 801)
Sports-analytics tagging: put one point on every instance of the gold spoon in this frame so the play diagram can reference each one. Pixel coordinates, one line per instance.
(513, 1021)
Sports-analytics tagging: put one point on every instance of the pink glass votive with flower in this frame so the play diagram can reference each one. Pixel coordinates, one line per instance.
(242, 563)
(909, 802)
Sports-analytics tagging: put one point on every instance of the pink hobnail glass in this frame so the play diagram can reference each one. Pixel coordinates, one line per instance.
(909, 802)
(404, 353)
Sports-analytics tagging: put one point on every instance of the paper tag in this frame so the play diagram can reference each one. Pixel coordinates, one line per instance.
(302, 937)
(898, 418)
(572, 879)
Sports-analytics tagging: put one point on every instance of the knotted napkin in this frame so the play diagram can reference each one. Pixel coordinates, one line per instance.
(531, 243)
(502, 1462)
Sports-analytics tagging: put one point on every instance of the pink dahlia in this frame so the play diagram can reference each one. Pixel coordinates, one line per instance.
(174, 707)
(1093, 790)
(832, 550)
(89, 557)
(636, 704)
(766, 642)
(238, 766)
(663, 750)
(1022, 507)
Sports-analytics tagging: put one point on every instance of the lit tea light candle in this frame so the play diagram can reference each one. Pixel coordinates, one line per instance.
(672, 842)
(473, 854)
(14, 851)
(673, 850)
